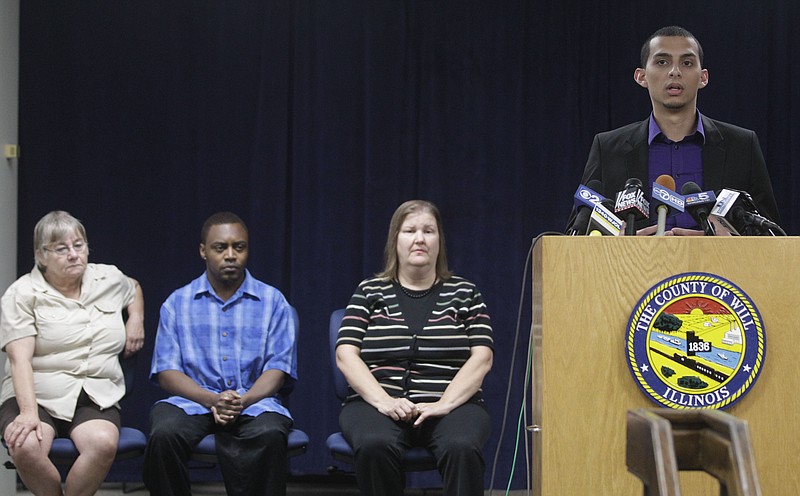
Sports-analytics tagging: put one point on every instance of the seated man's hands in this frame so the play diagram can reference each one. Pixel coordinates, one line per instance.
(227, 408)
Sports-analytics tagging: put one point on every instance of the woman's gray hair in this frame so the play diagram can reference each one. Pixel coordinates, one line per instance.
(54, 227)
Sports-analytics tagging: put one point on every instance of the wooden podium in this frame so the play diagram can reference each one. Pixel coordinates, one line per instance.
(584, 291)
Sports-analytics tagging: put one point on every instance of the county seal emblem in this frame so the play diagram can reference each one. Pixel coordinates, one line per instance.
(695, 340)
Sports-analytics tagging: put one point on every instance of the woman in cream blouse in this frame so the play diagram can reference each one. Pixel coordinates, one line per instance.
(62, 328)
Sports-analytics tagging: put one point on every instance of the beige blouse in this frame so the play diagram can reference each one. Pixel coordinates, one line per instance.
(77, 342)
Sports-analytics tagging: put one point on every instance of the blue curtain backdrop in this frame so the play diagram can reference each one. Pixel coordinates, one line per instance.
(314, 119)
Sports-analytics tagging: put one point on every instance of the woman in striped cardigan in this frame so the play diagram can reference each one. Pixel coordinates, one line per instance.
(415, 345)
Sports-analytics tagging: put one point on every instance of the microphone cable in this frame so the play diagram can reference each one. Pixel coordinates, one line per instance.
(526, 381)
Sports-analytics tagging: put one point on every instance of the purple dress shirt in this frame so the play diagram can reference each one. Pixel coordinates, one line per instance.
(683, 160)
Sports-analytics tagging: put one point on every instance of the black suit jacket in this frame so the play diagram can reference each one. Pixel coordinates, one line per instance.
(732, 158)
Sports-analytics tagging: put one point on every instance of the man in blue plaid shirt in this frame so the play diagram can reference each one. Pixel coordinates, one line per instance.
(225, 350)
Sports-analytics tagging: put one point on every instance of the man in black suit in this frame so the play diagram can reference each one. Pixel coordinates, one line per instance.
(676, 139)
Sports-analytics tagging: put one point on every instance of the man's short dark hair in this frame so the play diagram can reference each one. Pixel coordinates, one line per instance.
(669, 31)
(218, 219)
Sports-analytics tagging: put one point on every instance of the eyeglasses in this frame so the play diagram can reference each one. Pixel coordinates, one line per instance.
(63, 250)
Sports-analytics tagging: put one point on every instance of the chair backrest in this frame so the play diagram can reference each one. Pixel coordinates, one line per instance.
(417, 459)
(339, 382)
(288, 387)
(128, 365)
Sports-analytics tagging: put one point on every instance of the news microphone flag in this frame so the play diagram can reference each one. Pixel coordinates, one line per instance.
(632, 205)
(736, 211)
(698, 204)
(604, 221)
(667, 201)
(701, 198)
(723, 207)
(671, 199)
(587, 196)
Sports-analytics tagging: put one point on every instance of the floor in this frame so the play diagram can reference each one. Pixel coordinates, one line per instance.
(339, 483)
(293, 489)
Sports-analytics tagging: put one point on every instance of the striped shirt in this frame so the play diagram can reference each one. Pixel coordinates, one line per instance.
(226, 345)
(415, 363)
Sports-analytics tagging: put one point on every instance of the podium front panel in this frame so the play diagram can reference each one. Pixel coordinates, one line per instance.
(584, 290)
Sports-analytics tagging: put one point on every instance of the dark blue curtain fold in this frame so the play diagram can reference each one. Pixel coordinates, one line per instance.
(314, 119)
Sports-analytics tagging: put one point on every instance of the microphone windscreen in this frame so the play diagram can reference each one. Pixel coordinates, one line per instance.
(596, 185)
(666, 181)
(690, 188)
(633, 182)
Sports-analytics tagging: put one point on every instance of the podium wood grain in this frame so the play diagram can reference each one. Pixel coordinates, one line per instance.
(584, 290)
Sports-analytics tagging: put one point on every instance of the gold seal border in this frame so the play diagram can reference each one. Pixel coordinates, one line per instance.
(700, 277)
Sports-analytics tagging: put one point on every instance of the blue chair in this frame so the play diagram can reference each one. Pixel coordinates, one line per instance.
(297, 441)
(132, 442)
(416, 459)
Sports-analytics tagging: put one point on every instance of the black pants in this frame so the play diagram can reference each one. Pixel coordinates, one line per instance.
(251, 452)
(379, 443)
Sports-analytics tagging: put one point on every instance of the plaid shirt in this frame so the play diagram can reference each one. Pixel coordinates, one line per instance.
(226, 345)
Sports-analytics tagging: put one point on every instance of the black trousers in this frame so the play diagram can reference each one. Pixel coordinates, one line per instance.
(456, 440)
(251, 452)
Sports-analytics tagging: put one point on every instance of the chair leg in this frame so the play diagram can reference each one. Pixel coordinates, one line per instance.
(710, 441)
(650, 453)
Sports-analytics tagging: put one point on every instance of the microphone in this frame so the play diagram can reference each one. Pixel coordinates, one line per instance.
(669, 202)
(698, 204)
(737, 212)
(632, 205)
(603, 221)
(586, 197)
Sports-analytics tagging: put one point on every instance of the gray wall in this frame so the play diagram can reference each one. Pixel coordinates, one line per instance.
(9, 79)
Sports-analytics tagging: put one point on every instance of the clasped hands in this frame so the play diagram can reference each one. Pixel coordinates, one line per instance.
(405, 410)
(227, 408)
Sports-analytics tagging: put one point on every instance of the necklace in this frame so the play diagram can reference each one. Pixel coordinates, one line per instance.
(412, 293)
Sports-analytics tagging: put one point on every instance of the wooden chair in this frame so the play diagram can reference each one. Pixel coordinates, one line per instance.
(661, 442)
